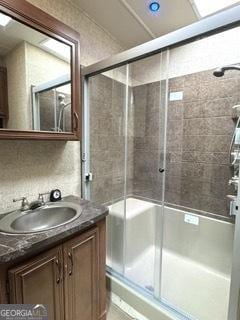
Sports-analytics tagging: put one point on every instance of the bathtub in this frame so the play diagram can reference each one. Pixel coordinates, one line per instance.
(192, 271)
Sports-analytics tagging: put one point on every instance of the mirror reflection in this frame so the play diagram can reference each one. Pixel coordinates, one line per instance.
(35, 79)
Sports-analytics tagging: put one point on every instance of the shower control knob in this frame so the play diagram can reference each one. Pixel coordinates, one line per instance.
(161, 170)
(233, 181)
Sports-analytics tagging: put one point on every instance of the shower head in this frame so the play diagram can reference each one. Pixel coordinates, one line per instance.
(62, 102)
(61, 97)
(219, 72)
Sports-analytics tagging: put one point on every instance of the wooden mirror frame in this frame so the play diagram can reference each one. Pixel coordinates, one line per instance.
(28, 14)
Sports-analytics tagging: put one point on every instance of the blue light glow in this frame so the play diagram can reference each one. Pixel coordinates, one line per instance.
(154, 6)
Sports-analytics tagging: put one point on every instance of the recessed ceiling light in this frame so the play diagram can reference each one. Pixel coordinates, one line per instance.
(57, 47)
(4, 20)
(154, 6)
(207, 7)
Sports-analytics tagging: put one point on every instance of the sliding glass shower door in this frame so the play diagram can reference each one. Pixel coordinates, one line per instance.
(157, 138)
(125, 159)
(105, 163)
(147, 111)
(198, 230)
(126, 132)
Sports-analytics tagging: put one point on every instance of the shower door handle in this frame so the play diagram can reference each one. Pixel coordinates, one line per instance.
(88, 177)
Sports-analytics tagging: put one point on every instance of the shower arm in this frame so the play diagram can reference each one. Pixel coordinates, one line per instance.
(231, 67)
(219, 72)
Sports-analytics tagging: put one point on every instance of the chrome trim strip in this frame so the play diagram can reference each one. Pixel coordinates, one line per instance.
(85, 145)
(234, 298)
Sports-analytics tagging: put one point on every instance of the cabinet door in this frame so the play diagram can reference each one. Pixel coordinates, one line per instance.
(81, 258)
(39, 281)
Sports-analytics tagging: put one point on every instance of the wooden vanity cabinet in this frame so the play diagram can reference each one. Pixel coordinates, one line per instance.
(38, 282)
(69, 279)
(81, 257)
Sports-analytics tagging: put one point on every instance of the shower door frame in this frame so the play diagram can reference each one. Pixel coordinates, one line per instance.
(208, 26)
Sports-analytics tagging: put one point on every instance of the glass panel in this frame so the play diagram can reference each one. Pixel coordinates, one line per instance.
(198, 230)
(54, 109)
(146, 114)
(160, 134)
(35, 80)
(107, 104)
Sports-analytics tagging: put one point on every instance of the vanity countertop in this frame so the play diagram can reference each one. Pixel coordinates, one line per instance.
(15, 246)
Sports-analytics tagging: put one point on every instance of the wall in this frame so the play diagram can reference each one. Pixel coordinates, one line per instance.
(50, 111)
(42, 67)
(107, 138)
(199, 131)
(31, 167)
(200, 55)
(17, 88)
(47, 110)
(28, 65)
(149, 113)
(96, 44)
(199, 127)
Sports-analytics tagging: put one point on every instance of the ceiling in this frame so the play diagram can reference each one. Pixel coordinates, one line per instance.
(15, 33)
(131, 22)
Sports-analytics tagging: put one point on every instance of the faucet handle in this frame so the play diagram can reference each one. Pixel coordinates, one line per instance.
(41, 196)
(25, 203)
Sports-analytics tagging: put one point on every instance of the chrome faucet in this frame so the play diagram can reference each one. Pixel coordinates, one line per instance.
(25, 203)
(41, 197)
(34, 204)
(38, 203)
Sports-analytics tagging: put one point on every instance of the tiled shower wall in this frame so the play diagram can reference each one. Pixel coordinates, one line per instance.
(199, 131)
(47, 113)
(148, 115)
(107, 139)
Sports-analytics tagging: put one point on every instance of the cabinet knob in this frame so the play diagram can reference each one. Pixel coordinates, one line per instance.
(59, 271)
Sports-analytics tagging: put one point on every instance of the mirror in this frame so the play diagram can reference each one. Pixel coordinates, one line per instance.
(39, 72)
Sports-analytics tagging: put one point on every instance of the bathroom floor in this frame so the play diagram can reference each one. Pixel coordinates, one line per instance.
(114, 313)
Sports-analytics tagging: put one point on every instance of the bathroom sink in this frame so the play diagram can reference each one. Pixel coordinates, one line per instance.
(49, 216)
